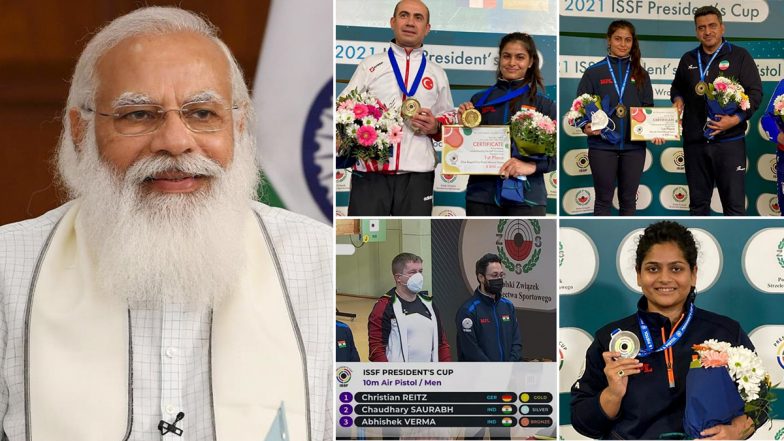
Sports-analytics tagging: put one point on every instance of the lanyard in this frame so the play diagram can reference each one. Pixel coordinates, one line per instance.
(646, 334)
(507, 97)
(625, 78)
(399, 77)
(703, 73)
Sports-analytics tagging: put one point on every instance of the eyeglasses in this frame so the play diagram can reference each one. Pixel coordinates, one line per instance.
(500, 275)
(141, 119)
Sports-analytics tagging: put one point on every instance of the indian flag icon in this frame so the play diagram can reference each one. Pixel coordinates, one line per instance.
(507, 422)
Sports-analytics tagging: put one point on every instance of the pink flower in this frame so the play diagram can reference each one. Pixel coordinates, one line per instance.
(721, 87)
(779, 106)
(547, 125)
(360, 111)
(375, 111)
(395, 135)
(347, 104)
(713, 359)
(366, 135)
(577, 106)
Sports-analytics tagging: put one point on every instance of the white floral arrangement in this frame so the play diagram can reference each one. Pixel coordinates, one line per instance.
(576, 116)
(533, 132)
(778, 106)
(365, 128)
(728, 91)
(745, 369)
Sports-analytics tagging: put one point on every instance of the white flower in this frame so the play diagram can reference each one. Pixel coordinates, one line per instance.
(345, 117)
(715, 345)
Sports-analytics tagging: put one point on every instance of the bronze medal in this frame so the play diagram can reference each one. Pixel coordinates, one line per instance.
(620, 110)
(472, 118)
(410, 108)
(701, 88)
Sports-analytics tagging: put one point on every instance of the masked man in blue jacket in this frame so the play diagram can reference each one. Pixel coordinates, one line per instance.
(487, 328)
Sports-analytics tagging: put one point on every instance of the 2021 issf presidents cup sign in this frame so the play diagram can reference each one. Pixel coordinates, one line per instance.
(524, 248)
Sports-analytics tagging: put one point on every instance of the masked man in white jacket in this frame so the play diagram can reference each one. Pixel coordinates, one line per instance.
(161, 301)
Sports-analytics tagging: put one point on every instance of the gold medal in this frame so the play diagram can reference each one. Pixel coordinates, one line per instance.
(410, 108)
(472, 118)
(701, 88)
(620, 110)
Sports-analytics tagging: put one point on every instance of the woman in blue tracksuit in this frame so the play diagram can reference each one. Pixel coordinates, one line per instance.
(519, 84)
(614, 156)
(645, 397)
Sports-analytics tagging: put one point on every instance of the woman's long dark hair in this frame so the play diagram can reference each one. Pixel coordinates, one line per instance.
(533, 75)
(638, 73)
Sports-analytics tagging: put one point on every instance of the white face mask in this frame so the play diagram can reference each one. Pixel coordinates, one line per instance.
(415, 283)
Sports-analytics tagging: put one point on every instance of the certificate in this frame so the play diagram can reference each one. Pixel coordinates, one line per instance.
(655, 122)
(474, 151)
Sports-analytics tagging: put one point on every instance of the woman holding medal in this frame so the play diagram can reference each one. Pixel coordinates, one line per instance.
(519, 83)
(633, 386)
(621, 81)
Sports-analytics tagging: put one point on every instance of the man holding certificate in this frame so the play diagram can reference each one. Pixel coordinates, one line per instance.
(402, 77)
(715, 151)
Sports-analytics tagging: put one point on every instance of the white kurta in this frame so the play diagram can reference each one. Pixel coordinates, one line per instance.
(302, 250)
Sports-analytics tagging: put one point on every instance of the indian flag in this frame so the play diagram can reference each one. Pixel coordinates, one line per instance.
(341, 344)
(507, 422)
(292, 95)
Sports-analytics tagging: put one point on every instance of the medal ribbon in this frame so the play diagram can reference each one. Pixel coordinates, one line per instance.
(703, 73)
(506, 97)
(625, 78)
(646, 335)
(399, 77)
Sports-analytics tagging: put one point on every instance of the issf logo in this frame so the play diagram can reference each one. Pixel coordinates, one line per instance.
(343, 376)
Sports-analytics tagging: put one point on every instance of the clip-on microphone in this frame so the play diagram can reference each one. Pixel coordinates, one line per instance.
(165, 427)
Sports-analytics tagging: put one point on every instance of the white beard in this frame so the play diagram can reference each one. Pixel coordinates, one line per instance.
(158, 248)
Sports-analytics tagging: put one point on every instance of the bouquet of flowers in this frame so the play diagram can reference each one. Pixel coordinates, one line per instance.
(778, 111)
(533, 133)
(586, 109)
(772, 120)
(583, 108)
(365, 128)
(724, 96)
(724, 382)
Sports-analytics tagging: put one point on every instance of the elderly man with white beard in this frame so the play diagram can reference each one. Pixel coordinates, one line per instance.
(161, 301)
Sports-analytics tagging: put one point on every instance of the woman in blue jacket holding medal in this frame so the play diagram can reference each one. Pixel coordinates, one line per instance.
(521, 177)
(620, 81)
(634, 382)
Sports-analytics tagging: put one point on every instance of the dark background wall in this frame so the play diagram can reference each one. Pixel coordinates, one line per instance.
(39, 44)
